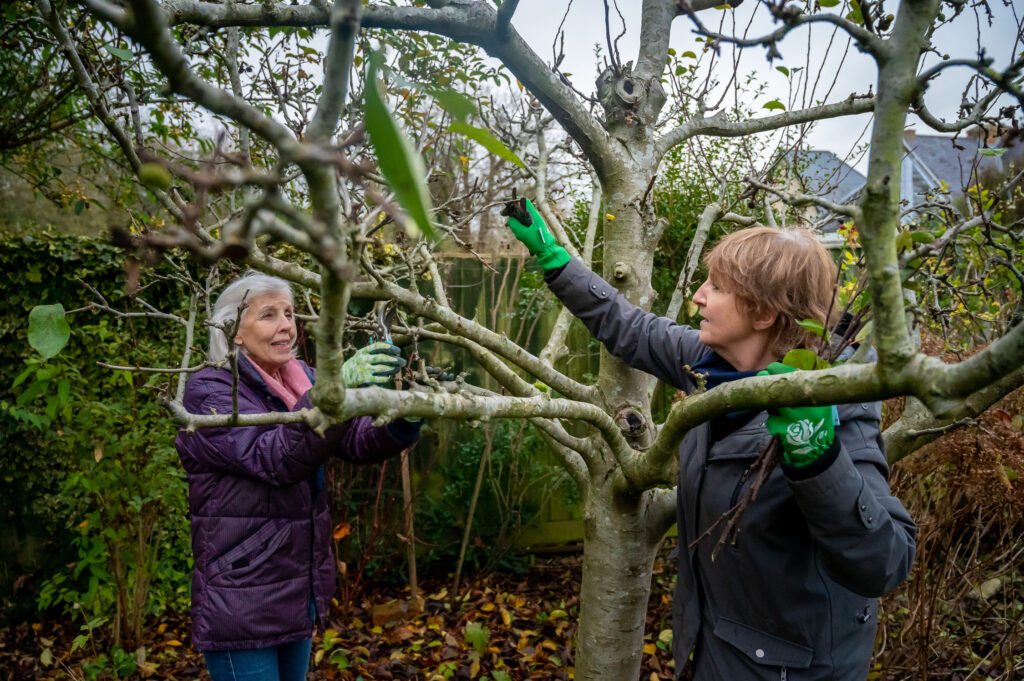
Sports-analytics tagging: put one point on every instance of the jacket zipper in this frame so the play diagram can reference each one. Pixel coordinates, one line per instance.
(739, 486)
(784, 674)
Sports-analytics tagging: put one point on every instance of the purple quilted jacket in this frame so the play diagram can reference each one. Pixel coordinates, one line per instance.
(261, 527)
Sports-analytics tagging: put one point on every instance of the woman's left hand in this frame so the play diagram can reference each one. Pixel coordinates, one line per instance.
(806, 432)
(375, 364)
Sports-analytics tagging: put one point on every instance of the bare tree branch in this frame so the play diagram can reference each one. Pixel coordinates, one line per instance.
(719, 126)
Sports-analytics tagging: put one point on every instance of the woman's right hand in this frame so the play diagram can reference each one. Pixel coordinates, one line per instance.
(539, 240)
(375, 364)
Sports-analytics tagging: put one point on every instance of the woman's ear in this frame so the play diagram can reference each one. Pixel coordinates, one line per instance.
(765, 320)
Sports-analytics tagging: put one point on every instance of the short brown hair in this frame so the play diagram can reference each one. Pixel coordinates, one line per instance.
(777, 271)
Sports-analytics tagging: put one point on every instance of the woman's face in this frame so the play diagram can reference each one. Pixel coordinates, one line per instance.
(267, 331)
(741, 341)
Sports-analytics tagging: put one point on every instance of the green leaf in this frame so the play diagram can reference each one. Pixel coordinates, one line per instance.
(48, 330)
(63, 390)
(120, 53)
(22, 376)
(488, 141)
(775, 104)
(79, 641)
(689, 54)
(813, 325)
(501, 676)
(79, 206)
(457, 104)
(922, 237)
(478, 636)
(827, 3)
(783, 70)
(855, 14)
(996, 153)
(864, 333)
(401, 166)
(801, 359)
(155, 176)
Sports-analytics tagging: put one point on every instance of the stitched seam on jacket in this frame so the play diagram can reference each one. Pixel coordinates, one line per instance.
(823, 576)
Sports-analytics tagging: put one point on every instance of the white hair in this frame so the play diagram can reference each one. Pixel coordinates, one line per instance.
(245, 288)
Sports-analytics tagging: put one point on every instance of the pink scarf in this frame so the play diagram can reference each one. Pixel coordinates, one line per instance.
(289, 383)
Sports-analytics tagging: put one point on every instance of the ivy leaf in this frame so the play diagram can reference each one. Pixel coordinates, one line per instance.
(48, 330)
(783, 70)
(478, 636)
(488, 141)
(401, 166)
(775, 104)
(120, 53)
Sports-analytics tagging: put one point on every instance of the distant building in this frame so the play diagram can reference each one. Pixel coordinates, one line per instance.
(942, 168)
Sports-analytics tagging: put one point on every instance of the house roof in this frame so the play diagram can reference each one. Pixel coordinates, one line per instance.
(826, 175)
(953, 161)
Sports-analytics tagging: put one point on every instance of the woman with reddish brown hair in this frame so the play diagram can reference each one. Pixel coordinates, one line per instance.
(793, 594)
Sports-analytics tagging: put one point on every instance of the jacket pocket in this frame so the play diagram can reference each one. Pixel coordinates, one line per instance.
(763, 648)
(252, 551)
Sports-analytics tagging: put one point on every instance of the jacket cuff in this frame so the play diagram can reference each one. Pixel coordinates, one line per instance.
(552, 274)
(816, 467)
(406, 432)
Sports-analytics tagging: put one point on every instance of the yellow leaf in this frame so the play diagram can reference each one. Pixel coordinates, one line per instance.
(549, 644)
(342, 530)
(557, 615)
(83, 523)
(319, 656)
(609, 216)
(520, 84)
(173, 643)
(97, 453)
(650, 649)
(474, 669)
(162, 628)
(487, 607)
(506, 618)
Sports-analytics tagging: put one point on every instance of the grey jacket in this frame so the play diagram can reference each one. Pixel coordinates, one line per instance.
(794, 596)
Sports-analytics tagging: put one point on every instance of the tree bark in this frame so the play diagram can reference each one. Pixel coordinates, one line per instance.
(618, 560)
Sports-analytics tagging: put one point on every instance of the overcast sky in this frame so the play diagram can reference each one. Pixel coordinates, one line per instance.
(537, 21)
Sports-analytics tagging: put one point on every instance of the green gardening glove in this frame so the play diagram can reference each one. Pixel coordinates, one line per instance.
(537, 238)
(375, 364)
(806, 432)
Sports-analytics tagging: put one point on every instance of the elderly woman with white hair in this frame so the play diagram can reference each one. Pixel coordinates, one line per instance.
(261, 528)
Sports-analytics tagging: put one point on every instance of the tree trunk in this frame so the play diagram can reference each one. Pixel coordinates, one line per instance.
(630, 239)
(618, 559)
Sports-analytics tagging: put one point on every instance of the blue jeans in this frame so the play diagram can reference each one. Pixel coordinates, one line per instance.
(286, 662)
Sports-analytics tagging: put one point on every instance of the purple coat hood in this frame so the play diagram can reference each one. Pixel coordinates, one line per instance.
(261, 527)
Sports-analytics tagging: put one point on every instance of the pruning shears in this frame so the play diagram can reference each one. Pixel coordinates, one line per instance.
(516, 208)
(385, 318)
